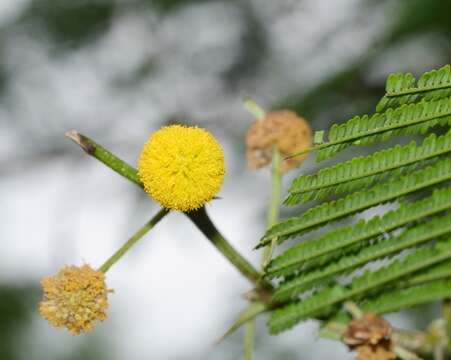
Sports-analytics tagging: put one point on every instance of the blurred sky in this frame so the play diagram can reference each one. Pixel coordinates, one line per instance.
(118, 70)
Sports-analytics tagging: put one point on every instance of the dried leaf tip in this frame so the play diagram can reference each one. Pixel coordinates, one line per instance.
(80, 140)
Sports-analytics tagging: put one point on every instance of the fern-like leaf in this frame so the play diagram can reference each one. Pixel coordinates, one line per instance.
(406, 119)
(361, 200)
(323, 301)
(437, 272)
(391, 300)
(312, 270)
(403, 89)
(361, 172)
(414, 236)
(396, 300)
(332, 244)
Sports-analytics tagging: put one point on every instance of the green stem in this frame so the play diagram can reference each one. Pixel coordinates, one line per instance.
(201, 219)
(259, 114)
(273, 211)
(254, 309)
(352, 308)
(254, 109)
(106, 157)
(405, 354)
(273, 216)
(132, 241)
(248, 340)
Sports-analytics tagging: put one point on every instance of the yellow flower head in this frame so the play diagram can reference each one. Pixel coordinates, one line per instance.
(182, 167)
(74, 298)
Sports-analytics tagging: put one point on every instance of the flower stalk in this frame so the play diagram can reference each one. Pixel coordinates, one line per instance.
(273, 216)
(133, 240)
(201, 219)
(273, 210)
(248, 340)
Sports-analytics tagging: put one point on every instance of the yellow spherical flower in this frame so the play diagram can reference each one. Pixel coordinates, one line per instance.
(182, 167)
(75, 298)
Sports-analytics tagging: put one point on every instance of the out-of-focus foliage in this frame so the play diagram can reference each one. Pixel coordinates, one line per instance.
(16, 309)
(70, 23)
(411, 19)
(416, 16)
(170, 5)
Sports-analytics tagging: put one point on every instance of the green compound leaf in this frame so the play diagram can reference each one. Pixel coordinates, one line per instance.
(412, 237)
(329, 246)
(362, 172)
(322, 302)
(406, 296)
(396, 300)
(411, 242)
(436, 272)
(403, 89)
(405, 120)
(359, 201)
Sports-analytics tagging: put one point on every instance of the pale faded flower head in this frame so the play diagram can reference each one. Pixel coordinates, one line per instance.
(283, 129)
(75, 298)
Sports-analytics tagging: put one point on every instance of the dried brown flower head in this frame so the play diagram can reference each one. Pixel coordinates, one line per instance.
(369, 329)
(381, 351)
(283, 129)
(75, 298)
(370, 337)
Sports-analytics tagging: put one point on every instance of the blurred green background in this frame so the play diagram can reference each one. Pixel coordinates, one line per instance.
(117, 70)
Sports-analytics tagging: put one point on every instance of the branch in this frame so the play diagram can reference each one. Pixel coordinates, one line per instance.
(201, 219)
(249, 340)
(133, 240)
(100, 153)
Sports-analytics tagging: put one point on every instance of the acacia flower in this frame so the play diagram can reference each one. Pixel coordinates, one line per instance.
(283, 129)
(182, 167)
(75, 298)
